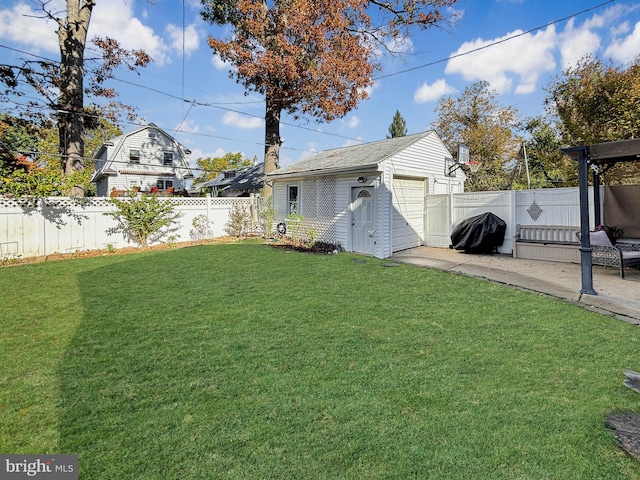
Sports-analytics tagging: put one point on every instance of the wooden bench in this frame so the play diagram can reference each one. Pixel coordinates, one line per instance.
(558, 243)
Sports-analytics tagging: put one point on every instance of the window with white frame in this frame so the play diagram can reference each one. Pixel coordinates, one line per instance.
(164, 184)
(134, 155)
(167, 158)
(293, 199)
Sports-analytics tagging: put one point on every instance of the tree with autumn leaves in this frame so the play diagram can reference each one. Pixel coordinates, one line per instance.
(477, 120)
(311, 58)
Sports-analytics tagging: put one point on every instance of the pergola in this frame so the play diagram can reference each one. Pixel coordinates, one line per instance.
(600, 157)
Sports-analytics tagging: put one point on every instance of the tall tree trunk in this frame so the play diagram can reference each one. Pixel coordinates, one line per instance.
(272, 139)
(72, 38)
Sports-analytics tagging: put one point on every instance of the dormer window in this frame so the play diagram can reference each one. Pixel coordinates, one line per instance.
(229, 174)
(167, 158)
(134, 156)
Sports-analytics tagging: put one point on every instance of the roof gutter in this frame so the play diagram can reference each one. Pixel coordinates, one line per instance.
(325, 171)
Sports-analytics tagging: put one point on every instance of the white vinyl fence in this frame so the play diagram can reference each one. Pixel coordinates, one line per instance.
(44, 226)
(65, 225)
(553, 206)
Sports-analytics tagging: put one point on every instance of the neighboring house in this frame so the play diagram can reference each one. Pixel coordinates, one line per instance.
(237, 182)
(248, 182)
(368, 198)
(146, 158)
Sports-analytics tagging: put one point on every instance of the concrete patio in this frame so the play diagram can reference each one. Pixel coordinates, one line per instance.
(616, 297)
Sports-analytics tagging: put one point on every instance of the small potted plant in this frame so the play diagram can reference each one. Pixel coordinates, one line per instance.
(614, 233)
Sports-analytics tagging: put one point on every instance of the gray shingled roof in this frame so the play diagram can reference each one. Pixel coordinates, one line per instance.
(251, 179)
(352, 157)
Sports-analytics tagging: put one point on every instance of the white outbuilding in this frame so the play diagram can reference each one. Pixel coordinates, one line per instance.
(368, 198)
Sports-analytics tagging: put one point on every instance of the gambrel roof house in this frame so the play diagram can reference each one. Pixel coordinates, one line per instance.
(368, 198)
(145, 158)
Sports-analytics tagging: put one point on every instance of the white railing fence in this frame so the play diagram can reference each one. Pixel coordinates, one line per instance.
(43, 226)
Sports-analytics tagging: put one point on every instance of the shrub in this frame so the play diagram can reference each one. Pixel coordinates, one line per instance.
(141, 219)
(201, 229)
(239, 221)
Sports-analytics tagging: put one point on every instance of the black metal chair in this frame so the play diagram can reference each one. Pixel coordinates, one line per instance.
(608, 255)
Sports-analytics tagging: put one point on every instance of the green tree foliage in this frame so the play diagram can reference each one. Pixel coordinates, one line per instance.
(21, 172)
(210, 168)
(19, 137)
(548, 166)
(35, 149)
(398, 127)
(142, 219)
(311, 57)
(489, 130)
(598, 102)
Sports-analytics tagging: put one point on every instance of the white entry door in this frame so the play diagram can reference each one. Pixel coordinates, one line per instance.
(362, 232)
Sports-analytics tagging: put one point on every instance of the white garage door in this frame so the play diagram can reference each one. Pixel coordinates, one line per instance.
(408, 213)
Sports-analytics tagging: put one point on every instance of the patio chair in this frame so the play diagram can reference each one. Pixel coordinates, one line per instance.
(608, 255)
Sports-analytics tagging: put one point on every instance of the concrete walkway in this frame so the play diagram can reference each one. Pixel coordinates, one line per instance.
(617, 297)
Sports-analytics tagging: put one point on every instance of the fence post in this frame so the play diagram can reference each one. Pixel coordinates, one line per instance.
(43, 205)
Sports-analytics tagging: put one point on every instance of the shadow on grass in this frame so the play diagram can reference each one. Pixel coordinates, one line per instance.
(238, 361)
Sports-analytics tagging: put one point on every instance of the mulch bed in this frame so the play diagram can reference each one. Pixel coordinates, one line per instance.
(317, 247)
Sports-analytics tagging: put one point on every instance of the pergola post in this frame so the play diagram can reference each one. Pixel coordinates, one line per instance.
(586, 266)
(602, 156)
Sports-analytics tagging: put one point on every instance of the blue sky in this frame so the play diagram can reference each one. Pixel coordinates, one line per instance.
(436, 64)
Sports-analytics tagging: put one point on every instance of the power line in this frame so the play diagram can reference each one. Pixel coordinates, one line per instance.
(202, 104)
(492, 44)
(218, 105)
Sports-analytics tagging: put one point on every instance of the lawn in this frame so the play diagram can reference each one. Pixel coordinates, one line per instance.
(242, 361)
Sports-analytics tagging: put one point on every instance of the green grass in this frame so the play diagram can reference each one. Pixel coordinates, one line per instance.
(243, 361)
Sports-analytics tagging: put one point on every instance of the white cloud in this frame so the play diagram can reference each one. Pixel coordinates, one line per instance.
(188, 126)
(197, 153)
(400, 45)
(220, 64)
(353, 122)
(114, 19)
(370, 89)
(21, 26)
(506, 60)
(428, 93)
(575, 43)
(241, 121)
(191, 38)
(621, 29)
(627, 49)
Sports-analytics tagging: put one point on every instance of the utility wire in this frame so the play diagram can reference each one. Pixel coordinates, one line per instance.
(493, 44)
(218, 105)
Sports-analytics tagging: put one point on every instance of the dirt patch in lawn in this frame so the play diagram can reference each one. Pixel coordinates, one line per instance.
(626, 429)
(106, 252)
